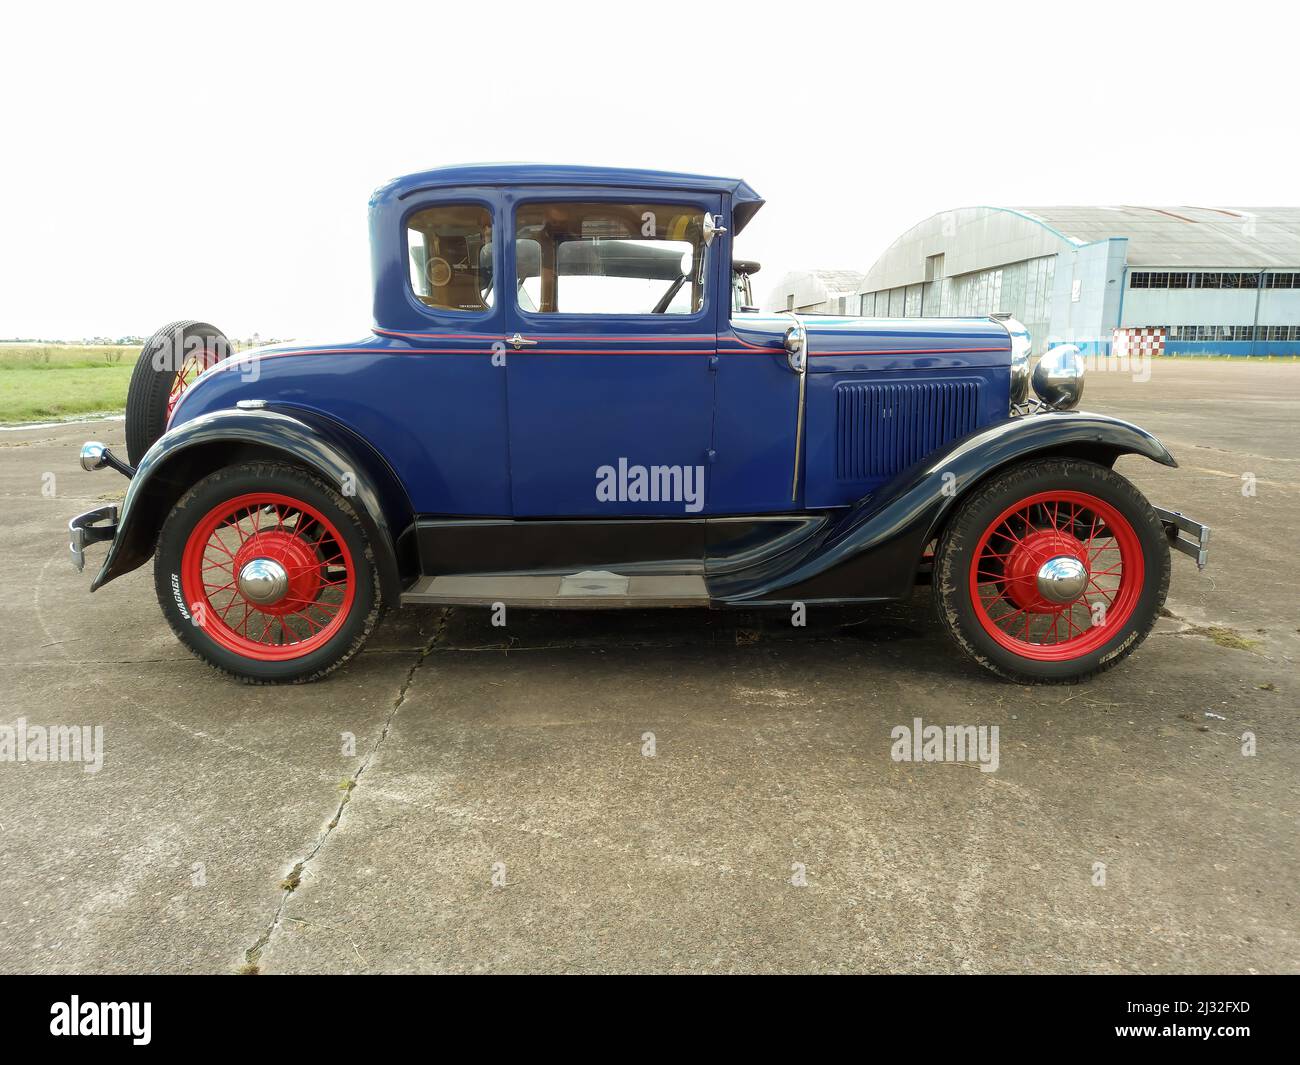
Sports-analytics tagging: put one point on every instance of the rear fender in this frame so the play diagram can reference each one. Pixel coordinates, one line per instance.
(186, 454)
(874, 550)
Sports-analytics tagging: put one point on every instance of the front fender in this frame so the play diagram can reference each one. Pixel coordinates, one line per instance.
(874, 550)
(191, 451)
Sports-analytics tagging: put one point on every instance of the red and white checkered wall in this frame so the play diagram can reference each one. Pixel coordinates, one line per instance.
(1144, 341)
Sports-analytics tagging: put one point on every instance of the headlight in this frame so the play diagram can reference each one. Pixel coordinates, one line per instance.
(1021, 342)
(1058, 377)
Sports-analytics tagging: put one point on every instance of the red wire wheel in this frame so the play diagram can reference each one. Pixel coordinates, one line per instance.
(1004, 569)
(295, 597)
(195, 363)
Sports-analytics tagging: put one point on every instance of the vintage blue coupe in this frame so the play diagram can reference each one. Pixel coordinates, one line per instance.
(566, 400)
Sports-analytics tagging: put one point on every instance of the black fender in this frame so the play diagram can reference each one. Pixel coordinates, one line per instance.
(873, 551)
(192, 450)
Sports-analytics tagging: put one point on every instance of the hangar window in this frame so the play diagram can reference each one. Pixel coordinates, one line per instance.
(1242, 281)
(450, 253)
(1238, 333)
(1209, 279)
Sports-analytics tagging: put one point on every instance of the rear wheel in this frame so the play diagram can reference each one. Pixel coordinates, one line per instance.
(1053, 571)
(168, 364)
(264, 572)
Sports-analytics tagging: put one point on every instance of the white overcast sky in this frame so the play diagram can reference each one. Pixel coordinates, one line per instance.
(214, 161)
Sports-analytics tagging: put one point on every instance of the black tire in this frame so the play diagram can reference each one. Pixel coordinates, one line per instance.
(954, 597)
(228, 484)
(166, 354)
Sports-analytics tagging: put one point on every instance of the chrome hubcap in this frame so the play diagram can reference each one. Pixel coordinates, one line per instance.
(1062, 579)
(263, 581)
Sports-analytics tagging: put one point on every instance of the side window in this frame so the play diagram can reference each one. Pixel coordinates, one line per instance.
(451, 256)
(609, 258)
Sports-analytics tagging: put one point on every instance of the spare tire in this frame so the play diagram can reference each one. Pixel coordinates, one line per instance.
(169, 362)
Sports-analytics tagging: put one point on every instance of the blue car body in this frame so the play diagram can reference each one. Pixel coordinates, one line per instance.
(483, 455)
(524, 435)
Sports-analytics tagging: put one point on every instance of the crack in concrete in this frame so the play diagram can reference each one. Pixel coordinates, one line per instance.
(253, 955)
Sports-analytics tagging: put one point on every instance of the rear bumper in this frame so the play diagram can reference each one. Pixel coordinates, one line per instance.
(91, 527)
(1190, 537)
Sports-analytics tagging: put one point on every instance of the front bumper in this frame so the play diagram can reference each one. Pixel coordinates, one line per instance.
(91, 527)
(1190, 537)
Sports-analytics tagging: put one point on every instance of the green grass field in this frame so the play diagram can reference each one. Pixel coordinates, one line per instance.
(44, 381)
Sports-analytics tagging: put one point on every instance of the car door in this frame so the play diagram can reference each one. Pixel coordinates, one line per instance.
(611, 354)
(759, 464)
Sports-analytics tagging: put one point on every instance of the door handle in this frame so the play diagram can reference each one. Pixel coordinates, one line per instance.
(521, 342)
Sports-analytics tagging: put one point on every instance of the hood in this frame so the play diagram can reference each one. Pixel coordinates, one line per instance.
(974, 340)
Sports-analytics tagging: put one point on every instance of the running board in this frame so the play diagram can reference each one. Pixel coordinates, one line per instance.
(589, 590)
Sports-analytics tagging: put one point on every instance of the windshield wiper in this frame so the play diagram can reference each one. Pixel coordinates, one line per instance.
(667, 297)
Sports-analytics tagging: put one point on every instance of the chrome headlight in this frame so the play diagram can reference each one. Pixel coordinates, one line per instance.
(1058, 377)
(1021, 342)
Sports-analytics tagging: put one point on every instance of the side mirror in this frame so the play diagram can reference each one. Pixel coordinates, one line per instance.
(796, 348)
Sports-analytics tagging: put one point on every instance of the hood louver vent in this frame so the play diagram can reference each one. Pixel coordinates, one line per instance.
(884, 428)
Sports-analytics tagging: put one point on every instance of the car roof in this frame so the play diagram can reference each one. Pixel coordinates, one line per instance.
(745, 201)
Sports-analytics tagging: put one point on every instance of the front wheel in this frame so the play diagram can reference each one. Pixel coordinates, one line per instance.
(1051, 572)
(264, 572)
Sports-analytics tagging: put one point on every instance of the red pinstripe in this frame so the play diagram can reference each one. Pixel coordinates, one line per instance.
(592, 351)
